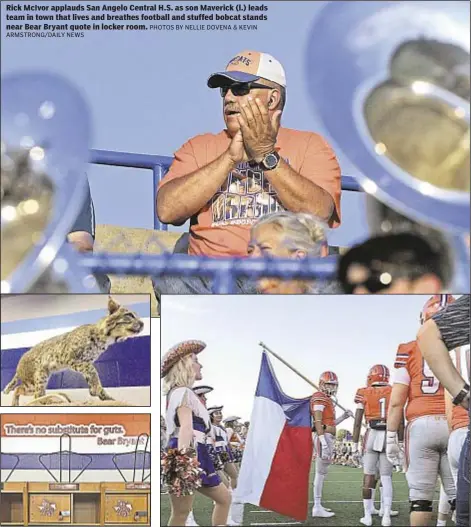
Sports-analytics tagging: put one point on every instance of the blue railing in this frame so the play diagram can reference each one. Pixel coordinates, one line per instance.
(223, 271)
(159, 166)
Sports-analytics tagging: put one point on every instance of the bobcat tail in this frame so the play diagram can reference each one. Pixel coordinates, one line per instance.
(12, 384)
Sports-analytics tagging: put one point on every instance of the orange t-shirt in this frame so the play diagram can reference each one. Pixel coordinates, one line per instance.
(426, 394)
(461, 360)
(375, 400)
(328, 414)
(222, 227)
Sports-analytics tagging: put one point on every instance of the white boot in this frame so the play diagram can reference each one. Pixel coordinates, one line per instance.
(236, 514)
(190, 521)
(319, 512)
(367, 505)
(386, 518)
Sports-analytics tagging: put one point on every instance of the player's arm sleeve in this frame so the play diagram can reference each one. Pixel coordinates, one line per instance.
(401, 376)
(360, 399)
(318, 403)
(453, 323)
(320, 165)
(85, 221)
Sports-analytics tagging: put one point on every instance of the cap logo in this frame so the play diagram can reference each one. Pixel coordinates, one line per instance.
(240, 59)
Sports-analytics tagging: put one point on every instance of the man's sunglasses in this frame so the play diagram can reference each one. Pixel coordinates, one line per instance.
(241, 89)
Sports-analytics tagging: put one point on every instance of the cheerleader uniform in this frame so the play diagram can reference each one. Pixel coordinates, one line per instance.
(222, 445)
(201, 428)
(236, 443)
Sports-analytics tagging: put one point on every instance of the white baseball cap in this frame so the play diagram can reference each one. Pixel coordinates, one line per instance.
(249, 66)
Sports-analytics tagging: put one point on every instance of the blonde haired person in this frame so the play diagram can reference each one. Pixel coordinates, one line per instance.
(189, 426)
(290, 235)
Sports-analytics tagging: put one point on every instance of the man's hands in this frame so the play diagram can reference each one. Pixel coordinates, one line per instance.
(259, 130)
(393, 450)
(236, 150)
(325, 450)
(257, 134)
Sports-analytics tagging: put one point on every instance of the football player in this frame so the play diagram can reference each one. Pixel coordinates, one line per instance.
(323, 413)
(446, 330)
(458, 417)
(372, 402)
(426, 437)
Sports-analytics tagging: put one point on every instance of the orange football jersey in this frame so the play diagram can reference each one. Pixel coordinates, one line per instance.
(461, 360)
(426, 394)
(328, 415)
(375, 400)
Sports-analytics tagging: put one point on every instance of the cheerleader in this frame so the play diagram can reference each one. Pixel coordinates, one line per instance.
(188, 429)
(225, 453)
(235, 440)
(201, 391)
(244, 431)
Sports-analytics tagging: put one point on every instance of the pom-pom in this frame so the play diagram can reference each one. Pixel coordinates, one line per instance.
(237, 454)
(181, 471)
(216, 458)
(225, 458)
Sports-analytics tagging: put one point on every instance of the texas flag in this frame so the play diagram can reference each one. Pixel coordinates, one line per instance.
(277, 457)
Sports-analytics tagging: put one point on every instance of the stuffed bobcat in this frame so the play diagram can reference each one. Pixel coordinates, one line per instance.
(75, 350)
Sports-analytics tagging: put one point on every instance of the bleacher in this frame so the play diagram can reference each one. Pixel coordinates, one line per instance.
(118, 239)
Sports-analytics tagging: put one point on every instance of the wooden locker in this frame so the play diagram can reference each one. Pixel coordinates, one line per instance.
(126, 508)
(49, 508)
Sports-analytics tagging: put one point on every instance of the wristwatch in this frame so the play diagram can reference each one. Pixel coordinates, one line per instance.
(461, 395)
(270, 161)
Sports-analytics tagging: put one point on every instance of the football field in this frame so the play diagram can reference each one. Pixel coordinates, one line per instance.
(342, 494)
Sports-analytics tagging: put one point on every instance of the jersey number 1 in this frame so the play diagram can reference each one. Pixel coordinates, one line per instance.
(430, 384)
(382, 407)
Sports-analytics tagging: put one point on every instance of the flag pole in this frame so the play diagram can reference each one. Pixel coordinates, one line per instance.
(287, 364)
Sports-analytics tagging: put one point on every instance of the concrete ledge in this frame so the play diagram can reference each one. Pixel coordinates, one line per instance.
(115, 239)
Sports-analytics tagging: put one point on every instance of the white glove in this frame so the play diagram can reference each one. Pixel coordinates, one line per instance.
(325, 450)
(392, 448)
(354, 448)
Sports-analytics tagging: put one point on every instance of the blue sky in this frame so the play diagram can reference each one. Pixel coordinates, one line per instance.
(345, 334)
(147, 93)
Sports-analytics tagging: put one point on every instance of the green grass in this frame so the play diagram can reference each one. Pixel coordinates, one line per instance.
(342, 494)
